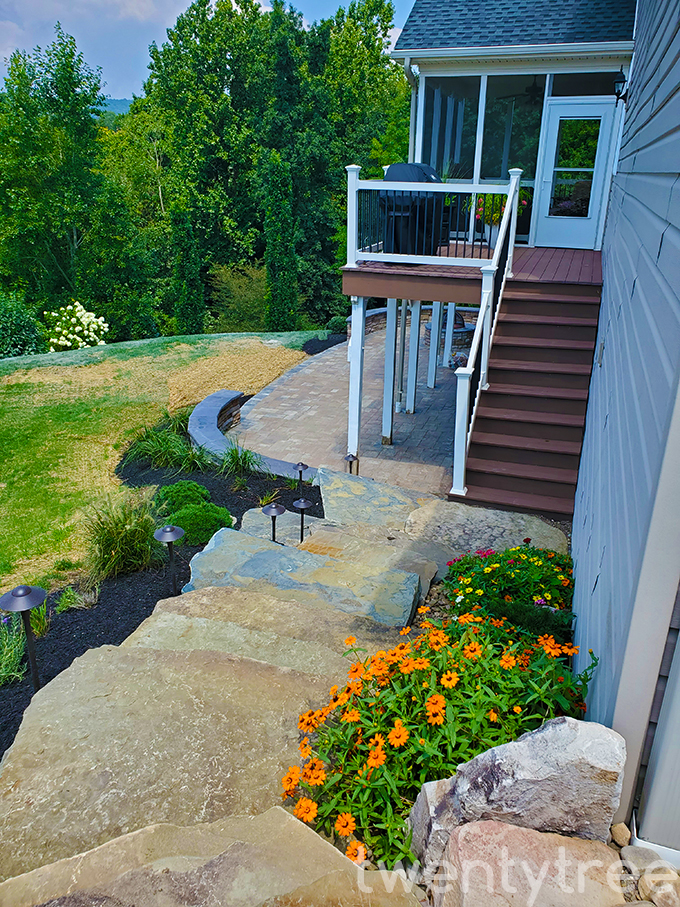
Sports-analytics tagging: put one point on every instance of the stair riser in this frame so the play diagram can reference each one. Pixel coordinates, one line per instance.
(532, 457)
(534, 404)
(552, 512)
(542, 354)
(537, 379)
(528, 429)
(516, 483)
(534, 288)
(570, 309)
(546, 331)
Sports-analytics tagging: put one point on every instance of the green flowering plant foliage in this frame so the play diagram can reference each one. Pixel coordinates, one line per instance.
(73, 327)
(531, 586)
(413, 713)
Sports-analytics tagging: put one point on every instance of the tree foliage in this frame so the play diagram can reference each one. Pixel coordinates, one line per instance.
(280, 258)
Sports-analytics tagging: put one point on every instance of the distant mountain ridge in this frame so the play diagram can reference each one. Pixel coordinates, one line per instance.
(118, 105)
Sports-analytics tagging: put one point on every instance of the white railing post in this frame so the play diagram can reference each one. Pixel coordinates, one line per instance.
(463, 376)
(515, 174)
(352, 213)
(488, 274)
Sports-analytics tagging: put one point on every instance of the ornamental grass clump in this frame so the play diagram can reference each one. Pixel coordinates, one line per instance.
(12, 645)
(119, 537)
(531, 587)
(415, 712)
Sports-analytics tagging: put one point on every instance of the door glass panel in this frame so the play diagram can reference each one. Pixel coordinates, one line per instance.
(574, 167)
(450, 125)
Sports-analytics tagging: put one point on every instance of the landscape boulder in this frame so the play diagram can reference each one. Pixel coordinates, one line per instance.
(565, 777)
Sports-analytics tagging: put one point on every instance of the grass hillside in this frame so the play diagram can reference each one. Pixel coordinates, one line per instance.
(65, 419)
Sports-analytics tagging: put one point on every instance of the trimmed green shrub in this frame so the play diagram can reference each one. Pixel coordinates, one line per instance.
(531, 587)
(201, 521)
(119, 537)
(173, 497)
(337, 325)
(20, 332)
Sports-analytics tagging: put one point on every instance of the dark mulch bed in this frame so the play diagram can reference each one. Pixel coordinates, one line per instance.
(314, 346)
(124, 602)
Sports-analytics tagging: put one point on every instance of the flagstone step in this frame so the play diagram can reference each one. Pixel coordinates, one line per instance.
(240, 861)
(127, 737)
(339, 543)
(254, 522)
(352, 499)
(314, 623)
(233, 558)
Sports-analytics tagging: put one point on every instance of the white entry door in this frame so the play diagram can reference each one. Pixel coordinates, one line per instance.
(574, 173)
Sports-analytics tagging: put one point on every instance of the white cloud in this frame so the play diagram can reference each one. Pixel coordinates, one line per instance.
(393, 36)
(41, 11)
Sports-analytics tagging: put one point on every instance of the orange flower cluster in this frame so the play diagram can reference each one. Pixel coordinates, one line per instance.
(290, 781)
(435, 706)
(507, 661)
(437, 639)
(313, 773)
(554, 649)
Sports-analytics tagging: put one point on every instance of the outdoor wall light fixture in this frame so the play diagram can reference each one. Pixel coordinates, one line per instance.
(169, 535)
(22, 600)
(301, 467)
(273, 510)
(351, 460)
(302, 504)
(619, 85)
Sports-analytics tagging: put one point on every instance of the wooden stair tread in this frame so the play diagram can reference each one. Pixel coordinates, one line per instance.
(530, 390)
(520, 365)
(529, 415)
(523, 470)
(543, 343)
(545, 445)
(539, 502)
(564, 320)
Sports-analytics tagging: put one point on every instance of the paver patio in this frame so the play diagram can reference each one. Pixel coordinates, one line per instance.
(303, 416)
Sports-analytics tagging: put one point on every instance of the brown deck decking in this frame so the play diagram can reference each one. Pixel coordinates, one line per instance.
(453, 284)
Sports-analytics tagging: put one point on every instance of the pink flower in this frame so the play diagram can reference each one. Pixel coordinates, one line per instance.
(524, 203)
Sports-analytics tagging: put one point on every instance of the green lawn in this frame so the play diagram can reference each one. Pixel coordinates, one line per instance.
(65, 419)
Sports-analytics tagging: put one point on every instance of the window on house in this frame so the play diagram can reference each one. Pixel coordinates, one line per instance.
(512, 125)
(450, 125)
(580, 84)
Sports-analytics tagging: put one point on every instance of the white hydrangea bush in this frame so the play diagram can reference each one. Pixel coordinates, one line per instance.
(73, 327)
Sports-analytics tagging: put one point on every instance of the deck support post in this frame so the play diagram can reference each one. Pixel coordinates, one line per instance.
(413, 347)
(390, 363)
(356, 373)
(399, 406)
(435, 342)
(448, 339)
(463, 376)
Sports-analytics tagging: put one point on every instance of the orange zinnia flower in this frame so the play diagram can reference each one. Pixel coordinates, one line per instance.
(421, 664)
(508, 661)
(516, 709)
(435, 718)
(493, 716)
(407, 665)
(356, 852)
(449, 679)
(404, 631)
(313, 773)
(472, 651)
(437, 639)
(290, 781)
(356, 671)
(351, 715)
(423, 609)
(345, 824)
(350, 640)
(497, 623)
(306, 809)
(570, 649)
(305, 748)
(376, 758)
(398, 735)
(307, 722)
(377, 740)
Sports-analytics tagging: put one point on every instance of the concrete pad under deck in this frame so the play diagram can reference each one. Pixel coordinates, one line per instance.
(303, 416)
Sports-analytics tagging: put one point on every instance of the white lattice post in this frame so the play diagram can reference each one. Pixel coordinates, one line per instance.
(413, 348)
(352, 213)
(448, 338)
(488, 273)
(435, 340)
(515, 174)
(390, 362)
(463, 376)
(356, 374)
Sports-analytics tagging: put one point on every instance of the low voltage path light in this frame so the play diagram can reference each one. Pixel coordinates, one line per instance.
(22, 600)
(301, 467)
(273, 510)
(351, 460)
(169, 535)
(302, 504)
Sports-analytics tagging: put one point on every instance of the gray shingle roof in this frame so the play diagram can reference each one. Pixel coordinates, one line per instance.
(495, 23)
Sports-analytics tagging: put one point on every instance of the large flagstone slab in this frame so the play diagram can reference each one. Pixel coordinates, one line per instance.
(464, 528)
(233, 558)
(254, 522)
(236, 862)
(127, 737)
(353, 499)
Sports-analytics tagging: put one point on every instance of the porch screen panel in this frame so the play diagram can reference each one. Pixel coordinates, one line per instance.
(450, 125)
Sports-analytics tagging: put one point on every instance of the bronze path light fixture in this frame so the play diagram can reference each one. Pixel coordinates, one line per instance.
(302, 504)
(169, 535)
(22, 600)
(301, 467)
(273, 510)
(351, 460)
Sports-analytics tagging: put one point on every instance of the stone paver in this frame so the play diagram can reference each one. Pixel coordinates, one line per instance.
(303, 415)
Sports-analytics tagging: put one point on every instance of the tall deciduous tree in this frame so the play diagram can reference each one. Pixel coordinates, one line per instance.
(279, 231)
(187, 286)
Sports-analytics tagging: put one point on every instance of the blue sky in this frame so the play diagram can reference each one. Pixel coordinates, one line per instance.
(115, 34)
